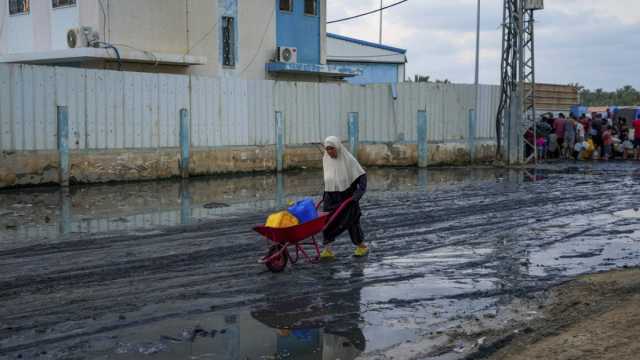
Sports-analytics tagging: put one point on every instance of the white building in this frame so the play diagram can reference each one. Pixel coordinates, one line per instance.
(237, 38)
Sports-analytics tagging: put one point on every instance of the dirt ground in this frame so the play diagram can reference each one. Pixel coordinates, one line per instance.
(463, 263)
(593, 317)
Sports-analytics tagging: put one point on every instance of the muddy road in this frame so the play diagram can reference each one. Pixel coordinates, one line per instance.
(168, 270)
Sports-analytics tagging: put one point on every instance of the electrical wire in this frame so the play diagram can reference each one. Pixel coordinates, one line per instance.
(202, 38)
(367, 13)
(151, 55)
(104, 20)
(105, 45)
(264, 35)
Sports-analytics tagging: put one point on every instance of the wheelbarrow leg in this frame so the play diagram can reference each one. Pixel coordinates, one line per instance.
(317, 248)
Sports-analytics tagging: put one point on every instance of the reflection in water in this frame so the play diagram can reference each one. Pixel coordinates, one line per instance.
(232, 343)
(309, 327)
(50, 213)
(228, 337)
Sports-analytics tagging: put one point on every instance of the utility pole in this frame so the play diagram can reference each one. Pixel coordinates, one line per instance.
(516, 111)
(380, 37)
(477, 80)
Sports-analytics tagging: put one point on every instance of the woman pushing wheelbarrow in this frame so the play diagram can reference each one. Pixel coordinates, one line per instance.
(344, 178)
(345, 182)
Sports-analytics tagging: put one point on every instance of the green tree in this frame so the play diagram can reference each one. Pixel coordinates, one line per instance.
(625, 96)
(427, 79)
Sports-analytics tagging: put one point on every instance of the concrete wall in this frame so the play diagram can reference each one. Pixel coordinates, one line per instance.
(42, 29)
(126, 125)
(18, 33)
(24, 168)
(165, 26)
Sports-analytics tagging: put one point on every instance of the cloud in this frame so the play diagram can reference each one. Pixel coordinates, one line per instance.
(591, 42)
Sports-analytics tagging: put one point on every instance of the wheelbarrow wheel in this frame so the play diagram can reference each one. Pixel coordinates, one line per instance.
(278, 263)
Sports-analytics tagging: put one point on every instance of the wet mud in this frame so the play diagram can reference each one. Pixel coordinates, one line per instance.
(168, 269)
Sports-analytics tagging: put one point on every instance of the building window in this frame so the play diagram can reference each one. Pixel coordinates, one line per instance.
(286, 5)
(311, 7)
(17, 7)
(228, 41)
(62, 3)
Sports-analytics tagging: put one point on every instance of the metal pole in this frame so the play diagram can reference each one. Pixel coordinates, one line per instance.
(185, 142)
(380, 37)
(477, 79)
(279, 141)
(519, 143)
(354, 132)
(423, 139)
(63, 144)
(533, 89)
(473, 115)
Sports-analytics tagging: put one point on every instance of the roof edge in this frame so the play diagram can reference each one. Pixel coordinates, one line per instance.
(367, 43)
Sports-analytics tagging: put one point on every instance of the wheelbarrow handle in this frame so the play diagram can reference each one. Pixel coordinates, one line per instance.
(344, 204)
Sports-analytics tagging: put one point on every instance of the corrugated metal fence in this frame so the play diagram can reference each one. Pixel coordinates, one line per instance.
(121, 110)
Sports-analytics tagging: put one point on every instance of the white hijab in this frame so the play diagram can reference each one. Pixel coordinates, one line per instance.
(341, 172)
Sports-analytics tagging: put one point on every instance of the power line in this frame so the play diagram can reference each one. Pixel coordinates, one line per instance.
(261, 43)
(104, 20)
(367, 13)
(202, 38)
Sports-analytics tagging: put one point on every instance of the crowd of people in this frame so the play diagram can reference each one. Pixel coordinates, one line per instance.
(588, 137)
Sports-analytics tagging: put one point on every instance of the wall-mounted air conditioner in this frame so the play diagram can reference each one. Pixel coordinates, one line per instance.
(81, 37)
(287, 54)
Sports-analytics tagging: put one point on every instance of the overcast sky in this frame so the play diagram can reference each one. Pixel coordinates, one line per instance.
(594, 43)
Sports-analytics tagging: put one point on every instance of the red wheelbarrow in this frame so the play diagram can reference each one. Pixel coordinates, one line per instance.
(280, 239)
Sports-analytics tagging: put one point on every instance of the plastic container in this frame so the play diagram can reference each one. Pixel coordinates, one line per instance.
(304, 210)
(282, 219)
(578, 110)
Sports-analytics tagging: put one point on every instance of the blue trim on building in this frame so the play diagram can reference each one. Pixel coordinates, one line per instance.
(371, 73)
(296, 29)
(312, 69)
(367, 43)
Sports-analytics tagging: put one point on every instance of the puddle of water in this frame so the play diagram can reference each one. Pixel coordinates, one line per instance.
(51, 213)
(580, 255)
(448, 255)
(628, 214)
(228, 337)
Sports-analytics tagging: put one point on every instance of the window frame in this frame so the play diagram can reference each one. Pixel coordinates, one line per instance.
(315, 8)
(290, 6)
(54, 7)
(231, 39)
(26, 11)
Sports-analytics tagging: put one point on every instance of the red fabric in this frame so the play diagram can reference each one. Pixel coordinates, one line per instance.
(558, 126)
(636, 128)
(606, 138)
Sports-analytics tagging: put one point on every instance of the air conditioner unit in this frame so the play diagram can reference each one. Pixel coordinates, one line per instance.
(80, 37)
(287, 54)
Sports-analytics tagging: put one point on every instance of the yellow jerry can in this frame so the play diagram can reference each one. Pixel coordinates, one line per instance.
(281, 219)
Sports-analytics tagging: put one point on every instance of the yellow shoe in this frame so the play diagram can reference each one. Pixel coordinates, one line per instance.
(327, 254)
(361, 251)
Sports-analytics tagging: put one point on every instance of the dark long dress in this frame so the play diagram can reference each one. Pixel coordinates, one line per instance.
(350, 217)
